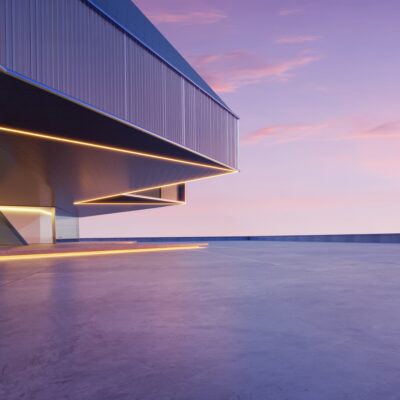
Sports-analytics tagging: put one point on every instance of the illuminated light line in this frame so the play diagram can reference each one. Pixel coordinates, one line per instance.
(134, 196)
(109, 148)
(130, 204)
(27, 210)
(105, 114)
(80, 202)
(233, 171)
(158, 201)
(23, 257)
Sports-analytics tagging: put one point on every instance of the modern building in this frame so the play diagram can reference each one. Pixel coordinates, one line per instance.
(99, 113)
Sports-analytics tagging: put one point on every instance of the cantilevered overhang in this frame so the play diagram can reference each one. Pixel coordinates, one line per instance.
(59, 152)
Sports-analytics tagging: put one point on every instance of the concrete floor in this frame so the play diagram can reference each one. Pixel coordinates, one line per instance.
(239, 320)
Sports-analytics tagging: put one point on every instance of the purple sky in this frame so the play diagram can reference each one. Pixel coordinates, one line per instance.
(316, 85)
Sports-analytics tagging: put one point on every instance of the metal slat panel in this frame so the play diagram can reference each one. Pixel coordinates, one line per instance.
(190, 116)
(174, 106)
(132, 20)
(3, 32)
(70, 47)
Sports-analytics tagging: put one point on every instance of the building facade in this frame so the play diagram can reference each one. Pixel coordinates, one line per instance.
(99, 113)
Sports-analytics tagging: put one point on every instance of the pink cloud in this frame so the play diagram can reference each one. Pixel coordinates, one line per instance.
(334, 130)
(232, 56)
(365, 129)
(391, 128)
(230, 71)
(298, 39)
(295, 132)
(195, 17)
(223, 87)
(284, 12)
(376, 147)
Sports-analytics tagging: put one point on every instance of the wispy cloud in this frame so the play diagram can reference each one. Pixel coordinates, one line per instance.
(284, 12)
(232, 56)
(333, 130)
(364, 129)
(230, 71)
(298, 39)
(391, 128)
(195, 17)
(290, 132)
(378, 145)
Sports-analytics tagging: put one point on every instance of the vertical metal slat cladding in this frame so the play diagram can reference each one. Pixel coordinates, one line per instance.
(69, 46)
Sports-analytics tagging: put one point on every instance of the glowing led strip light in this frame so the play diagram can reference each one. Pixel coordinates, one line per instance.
(87, 201)
(109, 148)
(161, 200)
(158, 201)
(29, 257)
(27, 210)
(129, 204)
(116, 149)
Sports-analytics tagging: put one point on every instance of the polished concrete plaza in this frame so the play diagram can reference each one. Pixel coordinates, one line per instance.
(237, 321)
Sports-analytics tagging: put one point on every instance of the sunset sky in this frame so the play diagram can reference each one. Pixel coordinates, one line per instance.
(316, 86)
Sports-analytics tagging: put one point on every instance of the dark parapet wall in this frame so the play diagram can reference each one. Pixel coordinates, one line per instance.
(350, 238)
(346, 238)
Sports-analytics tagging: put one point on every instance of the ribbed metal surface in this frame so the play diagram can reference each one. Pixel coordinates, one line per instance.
(128, 16)
(3, 29)
(68, 46)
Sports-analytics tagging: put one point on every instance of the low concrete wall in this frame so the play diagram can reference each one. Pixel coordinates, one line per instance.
(353, 238)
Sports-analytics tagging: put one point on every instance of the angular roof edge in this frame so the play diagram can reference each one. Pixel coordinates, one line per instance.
(126, 15)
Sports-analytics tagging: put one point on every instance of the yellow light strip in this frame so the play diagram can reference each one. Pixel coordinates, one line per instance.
(130, 204)
(80, 202)
(159, 199)
(233, 171)
(24, 257)
(109, 148)
(26, 210)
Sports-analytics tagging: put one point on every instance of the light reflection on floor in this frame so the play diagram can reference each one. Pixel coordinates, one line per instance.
(237, 320)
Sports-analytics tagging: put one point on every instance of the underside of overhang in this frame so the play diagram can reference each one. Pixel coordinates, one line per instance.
(29, 106)
(140, 200)
(55, 152)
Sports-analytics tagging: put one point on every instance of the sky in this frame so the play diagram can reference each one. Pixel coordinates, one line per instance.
(316, 85)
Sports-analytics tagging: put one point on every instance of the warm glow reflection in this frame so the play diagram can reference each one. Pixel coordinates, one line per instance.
(26, 210)
(29, 257)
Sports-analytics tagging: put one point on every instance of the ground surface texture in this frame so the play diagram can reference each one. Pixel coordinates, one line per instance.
(235, 321)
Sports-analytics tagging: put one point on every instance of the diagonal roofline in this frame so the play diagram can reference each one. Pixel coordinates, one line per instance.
(130, 19)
